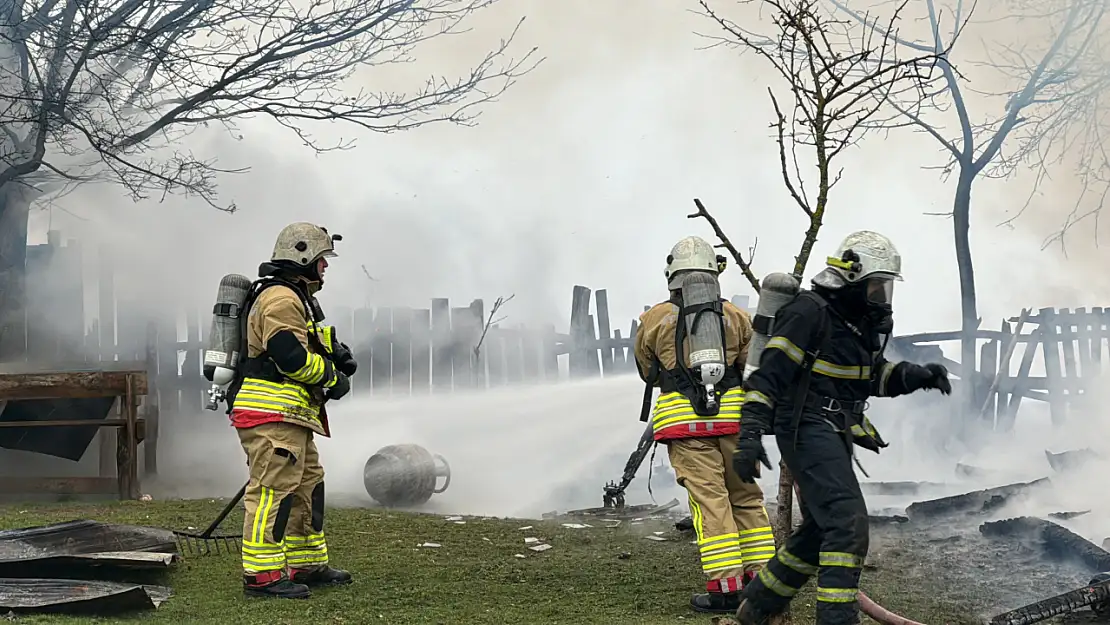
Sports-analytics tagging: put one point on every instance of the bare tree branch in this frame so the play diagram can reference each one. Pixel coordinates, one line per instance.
(490, 321)
(97, 89)
(841, 79)
(744, 264)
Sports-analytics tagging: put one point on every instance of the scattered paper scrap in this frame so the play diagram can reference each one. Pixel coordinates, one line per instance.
(460, 522)
(655, 538)
(576, 526)
(540, 548)
(431, 545)
(531, 540)
(454, 518)
(519, 555)
(526, 527)
(486, 539)
(611, 523)
(658, 533)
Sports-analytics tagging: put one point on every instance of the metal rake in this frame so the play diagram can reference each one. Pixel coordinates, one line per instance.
(206, 542)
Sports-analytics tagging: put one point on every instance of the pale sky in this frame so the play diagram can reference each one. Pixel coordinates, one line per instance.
(583, 173)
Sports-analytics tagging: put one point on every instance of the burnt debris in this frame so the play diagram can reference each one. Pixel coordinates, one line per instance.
(975, 501)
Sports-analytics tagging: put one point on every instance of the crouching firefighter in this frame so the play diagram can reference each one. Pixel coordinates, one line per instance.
(693, 347)
(823, 361)
(288, 366)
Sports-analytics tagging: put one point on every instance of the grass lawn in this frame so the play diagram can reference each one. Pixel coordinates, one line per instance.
(595, 575)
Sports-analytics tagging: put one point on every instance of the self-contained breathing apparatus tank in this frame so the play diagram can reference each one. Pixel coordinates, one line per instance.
(701, 305)
(221, 358)
(776, 290)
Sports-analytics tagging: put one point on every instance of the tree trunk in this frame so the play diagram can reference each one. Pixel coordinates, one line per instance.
(784, 510)
(14, 209)
(961, 225)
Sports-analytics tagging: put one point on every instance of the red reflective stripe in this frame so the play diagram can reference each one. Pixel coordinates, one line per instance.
(243, 418)
(701, 430)
(263, 579)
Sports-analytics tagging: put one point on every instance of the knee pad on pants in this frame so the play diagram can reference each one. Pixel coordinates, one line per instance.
(318, 507)
(281, 519)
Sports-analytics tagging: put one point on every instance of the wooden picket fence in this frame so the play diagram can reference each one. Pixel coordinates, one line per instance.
(1068, 344)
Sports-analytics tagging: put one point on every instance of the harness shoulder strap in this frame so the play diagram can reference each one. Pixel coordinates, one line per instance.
(809, 359)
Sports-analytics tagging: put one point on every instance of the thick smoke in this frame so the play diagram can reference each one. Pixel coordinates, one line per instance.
(583, 173)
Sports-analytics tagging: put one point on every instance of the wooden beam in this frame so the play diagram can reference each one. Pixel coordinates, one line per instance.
(70, 384)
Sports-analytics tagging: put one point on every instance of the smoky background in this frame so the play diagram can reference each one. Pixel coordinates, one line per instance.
(582, 173)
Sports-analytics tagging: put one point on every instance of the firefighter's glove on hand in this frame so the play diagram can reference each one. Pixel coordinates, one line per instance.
(341, 387)
(927, 377)
(345, 360)
(745, 460)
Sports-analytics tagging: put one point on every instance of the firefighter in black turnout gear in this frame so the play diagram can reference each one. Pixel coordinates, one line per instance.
(823, 361)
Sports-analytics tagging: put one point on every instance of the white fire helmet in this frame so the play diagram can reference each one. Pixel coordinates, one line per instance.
(691, 253)
(864, 256)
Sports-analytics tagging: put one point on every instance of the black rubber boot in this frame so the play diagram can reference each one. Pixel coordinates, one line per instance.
(325, 576)
(715, 602)
(748, 615)
(281, 588)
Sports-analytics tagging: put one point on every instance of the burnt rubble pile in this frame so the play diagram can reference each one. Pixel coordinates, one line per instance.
(79, 567)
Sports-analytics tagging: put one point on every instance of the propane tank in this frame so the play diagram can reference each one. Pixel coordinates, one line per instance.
(221, 358)
(776, 290)
(703, 327)
(404, 475)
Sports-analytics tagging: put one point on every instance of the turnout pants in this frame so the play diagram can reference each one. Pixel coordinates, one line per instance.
(832, 540)
(734, 535)
(284, 521)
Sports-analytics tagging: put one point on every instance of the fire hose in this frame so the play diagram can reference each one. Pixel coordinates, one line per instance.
(867, 605)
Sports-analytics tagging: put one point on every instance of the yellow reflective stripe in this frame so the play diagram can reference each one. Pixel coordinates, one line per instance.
(261, 515)
(842, 372)
(760, 398)
(725, 561)
(783, 344)
(757, 544)
(796, 563)
(695, 518)
(884, 377)
(837, 595)
(823, 367)
(305, 541)
(774, 584)
(312, 372)
(839, 558)
(325, 334)
(675, 408)
(715, 543)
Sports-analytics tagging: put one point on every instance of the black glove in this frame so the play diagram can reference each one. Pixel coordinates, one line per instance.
(930, 376)
(344, 360)
(745, 460)
(341, 387)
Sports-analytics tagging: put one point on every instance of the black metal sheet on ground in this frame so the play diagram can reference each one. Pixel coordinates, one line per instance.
(78, 596)
(69, 441)
(85, 543)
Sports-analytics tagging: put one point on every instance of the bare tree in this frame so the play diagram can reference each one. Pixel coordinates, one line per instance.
(1049, 114)
(841, 79)
(105, 90)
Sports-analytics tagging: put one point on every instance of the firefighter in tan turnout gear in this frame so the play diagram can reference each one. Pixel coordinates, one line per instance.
(697, 415)
(292, 365)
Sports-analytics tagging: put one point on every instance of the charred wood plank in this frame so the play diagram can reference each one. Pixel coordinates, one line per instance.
(970, 502)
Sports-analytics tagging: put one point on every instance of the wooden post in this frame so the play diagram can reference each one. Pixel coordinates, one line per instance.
(402, 351)
(1069, 381)
(422, 351)
(477, 322)
(106, 321)
(127, 446)
(513, 342)
(604, 331)
(989, 371)
(1082, 339)
(442, 347)
(1098, 320)
(151, 401)
(590, 339)
(1018, 384)
(381, 355)
(531, 345)
(169, 377)
(579, 331)
(1057, 402)
(362, 334)
(550, 354)
(462, 372)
